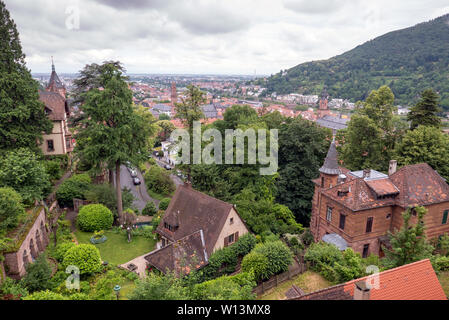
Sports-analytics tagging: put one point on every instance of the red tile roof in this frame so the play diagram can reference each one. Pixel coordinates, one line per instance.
(414, 281)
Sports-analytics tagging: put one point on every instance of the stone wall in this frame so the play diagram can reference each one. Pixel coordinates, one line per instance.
(34, 243)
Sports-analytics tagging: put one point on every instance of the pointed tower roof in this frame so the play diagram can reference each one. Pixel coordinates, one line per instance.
(330, 165)
(55, 82)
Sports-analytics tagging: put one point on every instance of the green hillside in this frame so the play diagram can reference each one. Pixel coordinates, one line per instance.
(408, 60)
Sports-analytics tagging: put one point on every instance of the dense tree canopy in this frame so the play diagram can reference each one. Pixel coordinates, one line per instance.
(425, 111)
(21, 170)
(22, 116)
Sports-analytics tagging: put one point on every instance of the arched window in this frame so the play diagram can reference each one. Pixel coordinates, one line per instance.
(25, 257)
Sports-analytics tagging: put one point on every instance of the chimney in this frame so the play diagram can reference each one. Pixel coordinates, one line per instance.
(393, 167)
(366, 173)
(361, 291)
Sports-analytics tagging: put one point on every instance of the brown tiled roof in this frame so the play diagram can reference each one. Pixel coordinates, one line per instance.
(382, 187)
(415, 281)
(54, 81)
(420, 185)
(192, 211)
(181, 255)
(55, 103)
(414, 185)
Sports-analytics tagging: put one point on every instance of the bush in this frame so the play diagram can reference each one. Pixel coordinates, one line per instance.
(53, 169)
(79, 296)
(74, 187)
(163, 205)
(150, 209)
(84, 256)
(12, 289)
(45, 295)
(95, 217)
(278, 255)
(11, 208)
(61, 250)
(440, 263)
(257, 263)
(159, 181)
(226, 288)
(38, 275)
(244, 244)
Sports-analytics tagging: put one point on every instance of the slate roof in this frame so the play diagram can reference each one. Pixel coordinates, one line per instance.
(334, 123)
(192, 211)
(210, 111)
(181, 255)
(415, 281)
(54, 81)
(162, 108)
(330, 165)
(55, 104)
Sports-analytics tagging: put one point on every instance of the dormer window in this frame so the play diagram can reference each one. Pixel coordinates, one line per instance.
(231, 221)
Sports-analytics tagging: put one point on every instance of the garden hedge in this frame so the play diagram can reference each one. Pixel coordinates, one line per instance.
(95, 217)
(84, 256)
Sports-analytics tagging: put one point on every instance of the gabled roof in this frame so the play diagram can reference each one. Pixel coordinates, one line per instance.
(410, 186)
(419, 184)
(192, 211)
(414, 281)
(55, 104)
(179, 256)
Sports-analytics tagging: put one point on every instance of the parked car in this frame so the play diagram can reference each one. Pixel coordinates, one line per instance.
(136, 181)
(167, 167)
(133, 173)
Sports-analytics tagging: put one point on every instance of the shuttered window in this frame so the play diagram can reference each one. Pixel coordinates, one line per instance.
(329, 214)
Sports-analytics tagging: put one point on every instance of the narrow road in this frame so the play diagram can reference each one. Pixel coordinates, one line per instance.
(139, 192)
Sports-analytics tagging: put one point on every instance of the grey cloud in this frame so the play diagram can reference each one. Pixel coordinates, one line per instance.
(135, 4)
(314, 7)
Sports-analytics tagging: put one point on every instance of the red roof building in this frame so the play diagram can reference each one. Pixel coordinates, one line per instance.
(357, 209)
(415, 281)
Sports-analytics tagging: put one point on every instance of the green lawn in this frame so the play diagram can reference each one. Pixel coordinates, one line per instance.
(444, 281)
(116, 250)
(309, 281)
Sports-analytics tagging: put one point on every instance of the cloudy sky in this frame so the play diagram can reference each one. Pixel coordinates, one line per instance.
(205, 36)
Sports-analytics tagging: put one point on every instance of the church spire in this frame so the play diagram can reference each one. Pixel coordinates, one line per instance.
(330, 165)
(52, 65)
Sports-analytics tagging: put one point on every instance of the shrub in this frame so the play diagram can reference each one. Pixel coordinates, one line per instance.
(45, 295)
(11, 208)
(257, 263)
(278, 254)
(159, 181)
(244, 244)
(79, 296)
(163, 205)
(61, 250)
(12, 288)
(440, 263)
(95, 217)
(226, 288)
(150, 209)
(38, 275)
(74, 187)
(53, 169)
(84, 256)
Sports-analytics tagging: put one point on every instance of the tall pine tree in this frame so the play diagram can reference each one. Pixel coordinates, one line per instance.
(22, 116)
(425, 111)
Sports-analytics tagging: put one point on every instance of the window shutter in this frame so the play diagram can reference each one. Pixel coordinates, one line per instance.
(236, 236)
(445, 216)
(226, 241)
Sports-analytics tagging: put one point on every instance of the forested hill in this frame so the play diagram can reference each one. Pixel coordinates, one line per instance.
(408, 60)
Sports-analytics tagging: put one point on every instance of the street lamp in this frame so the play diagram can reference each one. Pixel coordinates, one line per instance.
(117, 290)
